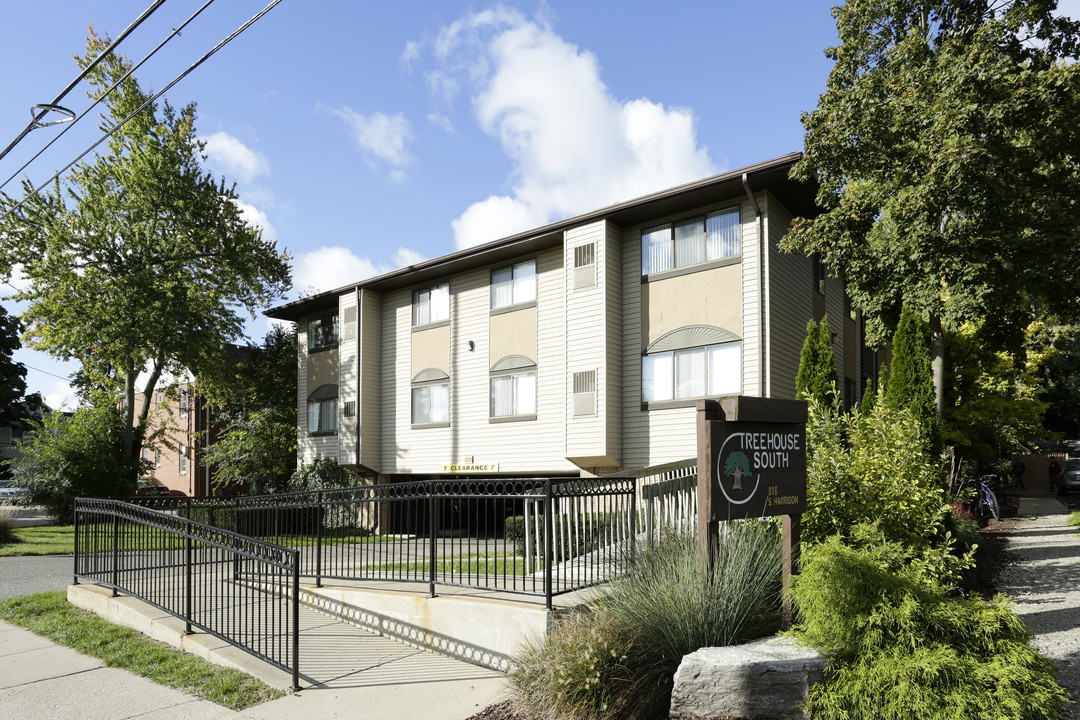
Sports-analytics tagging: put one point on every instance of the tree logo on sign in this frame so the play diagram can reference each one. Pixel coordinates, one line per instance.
(737, 469)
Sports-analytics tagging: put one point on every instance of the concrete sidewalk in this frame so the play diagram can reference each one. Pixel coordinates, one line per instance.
(360, 675)
(1043, 581)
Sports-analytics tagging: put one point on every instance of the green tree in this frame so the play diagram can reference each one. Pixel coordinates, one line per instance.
(254, 445)
(945, 151)
(817, 364)
(15, 406)
(994, 401)
(140, 262)
(76, 456)
(910, 384)
(1059, 376)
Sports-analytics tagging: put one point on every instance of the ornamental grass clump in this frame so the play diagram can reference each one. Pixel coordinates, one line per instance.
(618, 659)
(903, 645)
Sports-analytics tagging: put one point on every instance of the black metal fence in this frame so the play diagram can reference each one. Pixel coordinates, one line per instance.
(537, 536)
(240, 589)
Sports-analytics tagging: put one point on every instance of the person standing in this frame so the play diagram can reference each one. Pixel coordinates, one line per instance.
(1018, 469)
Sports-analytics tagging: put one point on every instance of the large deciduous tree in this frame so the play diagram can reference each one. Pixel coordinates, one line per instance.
(947, 154)
(254, 445)
(140, 261)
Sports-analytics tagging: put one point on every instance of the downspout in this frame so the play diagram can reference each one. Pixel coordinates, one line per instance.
(763, 338)
(359, 369)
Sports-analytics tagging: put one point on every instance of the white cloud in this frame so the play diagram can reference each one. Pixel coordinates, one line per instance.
(380, 137)
(574, 146)
(442, 122)
(235, 159)
(17, 282)
(59, 395)
(328, 268)
(405, 257)
(255, 216)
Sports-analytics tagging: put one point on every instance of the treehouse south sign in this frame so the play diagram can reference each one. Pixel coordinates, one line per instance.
(758, 469)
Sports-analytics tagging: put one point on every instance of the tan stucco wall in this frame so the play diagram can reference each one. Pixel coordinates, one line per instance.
(710, 297)
(512, 333)
(322, 369)
(431, 349)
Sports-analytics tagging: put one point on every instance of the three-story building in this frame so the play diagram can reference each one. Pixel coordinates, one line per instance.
(580, 347)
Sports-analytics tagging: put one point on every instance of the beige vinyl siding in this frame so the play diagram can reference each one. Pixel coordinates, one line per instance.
(662, 435)
(585, 348)
(370, 353)
(790, 303)
(348, 377)
(309, 447)
(305, 451)
(834, 308)
(611, 377)
(751, 307)
(518, 447)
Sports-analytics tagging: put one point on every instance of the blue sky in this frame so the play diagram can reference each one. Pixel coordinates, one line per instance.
(367, 136)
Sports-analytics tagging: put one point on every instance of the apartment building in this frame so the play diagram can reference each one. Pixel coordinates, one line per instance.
(580, 347)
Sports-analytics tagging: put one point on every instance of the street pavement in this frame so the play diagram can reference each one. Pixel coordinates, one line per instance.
(27, 574)
(357, 675)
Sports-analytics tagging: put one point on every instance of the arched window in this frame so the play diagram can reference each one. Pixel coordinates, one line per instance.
(692, 362)
(323, 409)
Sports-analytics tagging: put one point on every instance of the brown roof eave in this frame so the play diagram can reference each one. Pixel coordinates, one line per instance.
(770, 174)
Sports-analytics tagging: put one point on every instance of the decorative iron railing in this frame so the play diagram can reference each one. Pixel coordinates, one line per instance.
(537, 536)
(237, 588)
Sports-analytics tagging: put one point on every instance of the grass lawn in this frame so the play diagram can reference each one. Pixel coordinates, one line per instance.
(49, 615)
(42, 540)
(1074, 519)
(499, 564)
(59, 540)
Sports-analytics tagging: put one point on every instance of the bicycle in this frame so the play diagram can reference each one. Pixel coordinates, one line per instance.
(985, 501)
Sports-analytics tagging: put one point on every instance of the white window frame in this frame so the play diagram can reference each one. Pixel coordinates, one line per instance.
(183, 459)
(431, 305)
(663, 374)
(421, 398)
(521, 404)
(671, 247)
(513, 284)
(320, 338)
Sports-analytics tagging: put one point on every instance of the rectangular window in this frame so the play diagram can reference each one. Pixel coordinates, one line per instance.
(157, 398)
(585, 393)
(431, 404)
(157, 458)
(819, 275)
(322, 415)
(323, 331)
(692, 241)
(183, 402)
(513, 284)
(183, 459)
(513, 395)
(585, 266)
(692, 373)
(431, 305)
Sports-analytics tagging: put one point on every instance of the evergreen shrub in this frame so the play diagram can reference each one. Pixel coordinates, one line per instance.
(903, 646)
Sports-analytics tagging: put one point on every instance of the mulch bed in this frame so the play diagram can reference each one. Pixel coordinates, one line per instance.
(982, 580)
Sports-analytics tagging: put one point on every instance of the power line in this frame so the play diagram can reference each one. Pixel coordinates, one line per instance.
(89, 68)
(46, 372)
(68, 126)
(147, 103)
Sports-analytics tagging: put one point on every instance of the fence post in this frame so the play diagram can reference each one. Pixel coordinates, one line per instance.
(75, 549)
(633, 516)
(319, 510)
(549, 512)
(296, 621)
(188, 584)
(115, 552)
(432, 545)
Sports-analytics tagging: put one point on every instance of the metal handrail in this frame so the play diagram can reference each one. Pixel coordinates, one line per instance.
(240, 589)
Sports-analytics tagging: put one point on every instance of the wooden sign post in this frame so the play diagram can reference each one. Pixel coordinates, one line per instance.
(752, 463)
